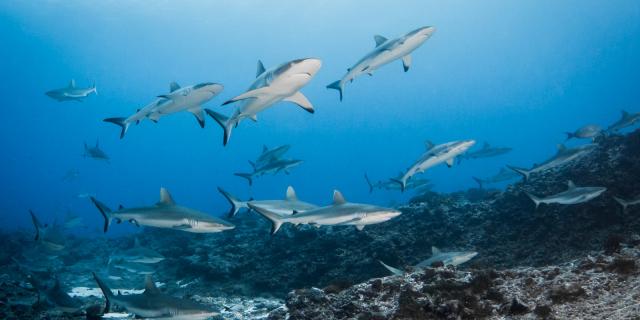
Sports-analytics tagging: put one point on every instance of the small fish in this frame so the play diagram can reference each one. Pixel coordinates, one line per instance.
(591, 131)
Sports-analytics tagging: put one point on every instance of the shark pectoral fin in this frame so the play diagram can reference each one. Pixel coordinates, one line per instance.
(181, 226)
(249, 94)
(450, 162)
(360, 227)
(299, 99)
(199, 114)
(406, 62)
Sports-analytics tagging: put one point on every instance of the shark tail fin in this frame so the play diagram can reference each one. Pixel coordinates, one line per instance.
(276, 220)
(224, 122)
(403, 184)
(570, 135)
(336, 85)
(236, 204)
(95, 89)
(105, 211)
(108, 294)
(119, 122)
(622, 202)
(393, 270)
(535, 199)
(479, 181)
(36, 224)
(366, 177)
(524, 172)
(247, 176)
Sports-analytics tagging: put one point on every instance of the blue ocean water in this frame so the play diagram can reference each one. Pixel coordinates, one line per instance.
(513, 73)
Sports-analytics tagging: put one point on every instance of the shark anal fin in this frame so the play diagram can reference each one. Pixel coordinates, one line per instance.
(133, 221)
(450, 162)
(302, 101)
(360, 227)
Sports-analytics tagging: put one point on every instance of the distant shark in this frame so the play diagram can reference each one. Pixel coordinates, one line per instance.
(154, 304)
(272, 167)
(54, 294)
(591, 131)
(270, 155)
(453, 258)
(386, 51)
(71, 93)
(436, 154)
(626, 120)
(487, 151)
(503, 175)
(165, 214)
(289, 206)
(50, 236)
(391, 184)
(563, 156)
(573, 195)
(138, 254)
(190, 98)
(281, 83)
(340, 213)
(95, 152)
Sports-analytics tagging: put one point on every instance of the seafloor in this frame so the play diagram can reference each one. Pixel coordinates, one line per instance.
(556, 262)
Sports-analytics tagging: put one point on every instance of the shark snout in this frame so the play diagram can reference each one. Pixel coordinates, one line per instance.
(310, 66)
(427, 31)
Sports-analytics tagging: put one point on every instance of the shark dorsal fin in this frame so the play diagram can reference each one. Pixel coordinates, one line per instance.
(379, 39)
(72, 83)
(120, 207)
(264, 148)
(570, 184)
(136, 242)
(486, 145)
(625, 114)
(165, 198)
(294, 212)
(150, 286)
(435, 250)
(429, 145)
(260, 69)
(173, 86)
(561, 148)
(338, 198)
(291, 194)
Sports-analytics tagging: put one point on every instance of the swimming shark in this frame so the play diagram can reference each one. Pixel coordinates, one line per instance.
(573, 195)
(269, 155)
(50, 236)
(154, 304)
(591, 131)
(54, 294)
(272, 167)
(289, 206)
(563, 156)
(453, 258)
(132, 267)
(71, 93)
(503, 175)
(190, 98)
(71, 175)
(137, 254)
(486, 151)
(281, 83)
(436, 154)
(627, 203)
(391, 184)
(386, 51)
(340, 213)
(72, 220)
(164, 214)
(626, 120)
(95, 152)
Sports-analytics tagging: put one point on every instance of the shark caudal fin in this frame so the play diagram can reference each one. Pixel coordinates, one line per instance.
(36, 224)
(247, 176)
(479, 181)
(570, 135)
(105, 211)
(108, 294)
(622, 202)
(224, 122)
(403, 184)
(393, 270)
(276, 220)
(535, 199)
(119, 122)
(337, 85)
(366, 177)
(236, 204)
(524, 172)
